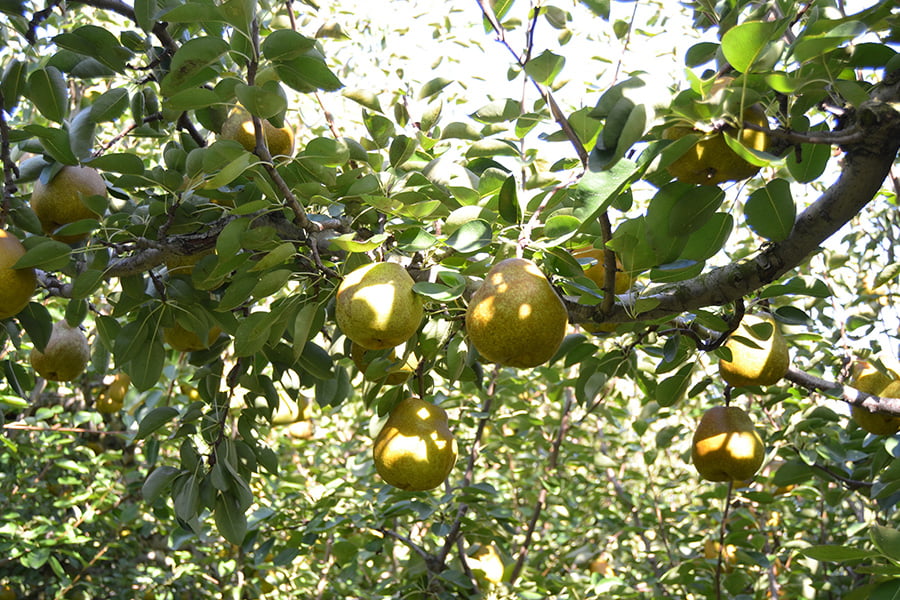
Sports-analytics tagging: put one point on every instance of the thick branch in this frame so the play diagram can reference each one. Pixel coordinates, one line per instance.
(866, 165)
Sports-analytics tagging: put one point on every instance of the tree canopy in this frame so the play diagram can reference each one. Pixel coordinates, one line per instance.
(199, 383)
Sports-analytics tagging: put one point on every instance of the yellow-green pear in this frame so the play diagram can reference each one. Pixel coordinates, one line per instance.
(869, 382)
(61, 200)
(16, 285)
(415, 449)
(376, 306)
(515, 318)
(764, 363)
(726, 445)
(65, 356)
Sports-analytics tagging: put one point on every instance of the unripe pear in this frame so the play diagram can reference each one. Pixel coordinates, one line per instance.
(515, 318)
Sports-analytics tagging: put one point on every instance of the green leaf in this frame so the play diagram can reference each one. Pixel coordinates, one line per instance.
(286, 44)
(887, 540)
(191, 99)
(694, 208)
(123, 162)
(672, 389)
(508, 201)
(187, 497)
(545, 67)
(110, 105)
(433, 87)
(470, 237)
(365, 98)
(801, 286)
(328, 152)
(704, 243)
(598, 188)
(47, 90)
(807, 163)
(155, 419)
(307, 74)
(145, 14)
(560, 228)
(348, 243)
(190, 65)
(770, 210)
(49, 255)
(230, 519)
(835, 553)
(748, 46)
(157, 481)
(96, 42)
(13, 84)
(402, 149)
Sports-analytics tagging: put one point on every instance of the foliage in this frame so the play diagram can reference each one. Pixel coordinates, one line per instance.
(190, 491)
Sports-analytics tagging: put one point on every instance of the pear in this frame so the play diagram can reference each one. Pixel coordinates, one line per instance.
(415, 449)
(376, 306)
(239, 127)
(185, 340)
(16, 285)
(726, 445)
(66, 355)
(60, 201)
(866, 378)
(487, 563)
(515, 318)
(711, 160)
(764, 364)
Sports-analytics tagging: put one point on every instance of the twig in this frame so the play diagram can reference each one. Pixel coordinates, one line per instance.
(10, 171)
(542, 495)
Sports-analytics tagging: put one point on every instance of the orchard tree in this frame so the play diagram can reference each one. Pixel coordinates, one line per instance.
(495, 299)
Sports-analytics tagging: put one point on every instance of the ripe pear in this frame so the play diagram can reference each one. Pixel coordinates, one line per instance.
(185, 340)
(239, 127)
(762, 365)
(876, 423)
(60, 201)
(290, 411)
(515, 318)
(302, 430)
(16, 285)
(711, 161)
(415, 449)
(112, 399)
(596, 272)
(726, 445)
(376, 306)
(397, 373)
(66, 355)
(486, 563)
(729, 553)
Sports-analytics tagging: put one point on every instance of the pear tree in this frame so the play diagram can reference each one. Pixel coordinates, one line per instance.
(511, 299)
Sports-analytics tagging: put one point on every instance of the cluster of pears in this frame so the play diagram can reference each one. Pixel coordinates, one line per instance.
(377, 309)
(867, 378)
(726, 445)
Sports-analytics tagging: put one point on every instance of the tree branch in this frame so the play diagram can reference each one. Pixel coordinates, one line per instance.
(866, 166)
(849, 394)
